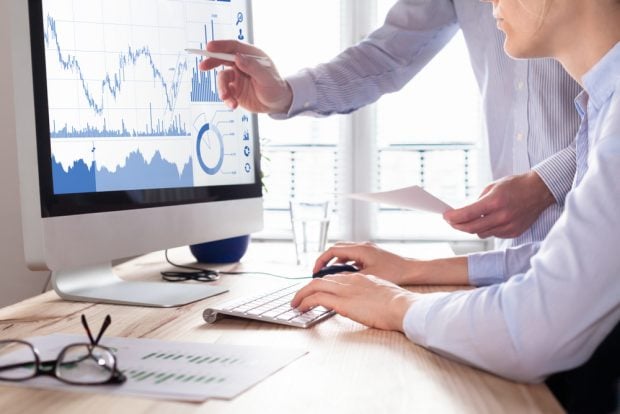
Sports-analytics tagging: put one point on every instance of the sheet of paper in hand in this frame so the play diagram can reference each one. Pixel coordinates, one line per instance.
(413, 197)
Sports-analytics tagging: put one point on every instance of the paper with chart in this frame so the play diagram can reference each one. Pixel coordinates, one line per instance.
(182, 371)
(413, 197)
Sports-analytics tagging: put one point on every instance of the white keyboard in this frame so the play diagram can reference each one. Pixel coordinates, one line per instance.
(273, 306)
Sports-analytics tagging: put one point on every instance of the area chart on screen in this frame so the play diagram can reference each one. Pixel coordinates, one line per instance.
(129, 108)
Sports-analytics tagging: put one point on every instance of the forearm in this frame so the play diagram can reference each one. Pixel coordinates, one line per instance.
(446, 271)
(412, 35)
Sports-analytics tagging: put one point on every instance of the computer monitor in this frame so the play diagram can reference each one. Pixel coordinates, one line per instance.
(124, 147)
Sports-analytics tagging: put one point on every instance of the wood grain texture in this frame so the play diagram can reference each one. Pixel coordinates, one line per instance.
(349, 368)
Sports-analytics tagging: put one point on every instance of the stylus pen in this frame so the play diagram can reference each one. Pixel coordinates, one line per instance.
(228, 56)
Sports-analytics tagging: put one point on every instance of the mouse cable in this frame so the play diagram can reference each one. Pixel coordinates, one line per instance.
(209, 275)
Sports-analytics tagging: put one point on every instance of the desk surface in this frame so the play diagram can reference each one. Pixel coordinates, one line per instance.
(349, 368)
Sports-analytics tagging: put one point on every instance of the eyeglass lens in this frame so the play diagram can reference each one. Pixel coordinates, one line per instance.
(85, 364)
(18, 361)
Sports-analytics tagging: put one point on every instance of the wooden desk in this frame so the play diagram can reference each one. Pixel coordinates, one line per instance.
(349, 368)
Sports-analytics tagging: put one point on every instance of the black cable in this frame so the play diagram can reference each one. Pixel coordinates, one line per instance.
(209, 275)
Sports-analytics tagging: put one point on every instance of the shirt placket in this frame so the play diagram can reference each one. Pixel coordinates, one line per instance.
(520, 157)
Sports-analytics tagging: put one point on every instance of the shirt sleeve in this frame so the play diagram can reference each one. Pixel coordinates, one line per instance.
(413, 33)
(552, 317)
(558, 172)
(487, 268)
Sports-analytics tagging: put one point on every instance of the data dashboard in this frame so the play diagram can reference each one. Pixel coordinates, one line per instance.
(129, 108)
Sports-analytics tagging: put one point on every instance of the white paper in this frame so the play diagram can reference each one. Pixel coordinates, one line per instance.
(413, 197)
(182, 371)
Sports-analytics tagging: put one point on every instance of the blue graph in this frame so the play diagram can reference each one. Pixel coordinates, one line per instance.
(113, 84)
(153, 129)
(210, 144)
(80, 178)
(136, 174)
(204, 84)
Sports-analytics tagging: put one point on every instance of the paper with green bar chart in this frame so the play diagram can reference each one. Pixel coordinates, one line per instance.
(183, 371)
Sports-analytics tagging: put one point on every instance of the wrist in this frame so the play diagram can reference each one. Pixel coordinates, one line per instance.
(544, 195)
(287, 100)
(400, 306)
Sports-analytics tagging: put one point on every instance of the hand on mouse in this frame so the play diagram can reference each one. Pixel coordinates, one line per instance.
(366, 299)
(370, 259)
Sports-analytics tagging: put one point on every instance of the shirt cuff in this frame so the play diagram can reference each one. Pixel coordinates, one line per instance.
(486, 268)
(558, 172)
(414, 322)
(304, 95)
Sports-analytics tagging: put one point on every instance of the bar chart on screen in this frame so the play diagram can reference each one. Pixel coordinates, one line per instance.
(128, 107)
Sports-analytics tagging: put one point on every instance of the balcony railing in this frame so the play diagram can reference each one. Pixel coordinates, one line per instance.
(293, 171)
(308, 171)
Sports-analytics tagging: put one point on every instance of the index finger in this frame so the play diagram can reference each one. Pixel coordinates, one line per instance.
(466, 214)
(234, 47)
(342, 253)
(326, 285)
(211, 62)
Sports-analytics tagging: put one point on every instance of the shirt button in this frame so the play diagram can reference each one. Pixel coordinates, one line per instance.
(520, 85)
(307, 104)
(520, 136)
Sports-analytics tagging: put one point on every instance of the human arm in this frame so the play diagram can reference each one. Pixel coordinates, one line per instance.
(477, 269)
(372, 260)
(412, 34)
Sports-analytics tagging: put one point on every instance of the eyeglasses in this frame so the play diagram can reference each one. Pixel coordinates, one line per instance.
(77, 364)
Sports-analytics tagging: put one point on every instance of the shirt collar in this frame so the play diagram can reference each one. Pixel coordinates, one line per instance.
(601, 79)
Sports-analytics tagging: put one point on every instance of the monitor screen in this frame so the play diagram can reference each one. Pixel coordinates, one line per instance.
(124, 117)
(124, 146)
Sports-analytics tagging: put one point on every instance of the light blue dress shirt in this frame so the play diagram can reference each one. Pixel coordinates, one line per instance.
(552, 315)
(523, 125)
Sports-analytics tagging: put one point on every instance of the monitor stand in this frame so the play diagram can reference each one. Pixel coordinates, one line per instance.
(99, 284)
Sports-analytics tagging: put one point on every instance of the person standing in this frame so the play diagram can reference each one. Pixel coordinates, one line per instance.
(529, 135)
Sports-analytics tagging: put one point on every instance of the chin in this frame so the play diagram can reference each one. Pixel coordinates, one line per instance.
(526, 47)
(519, 52)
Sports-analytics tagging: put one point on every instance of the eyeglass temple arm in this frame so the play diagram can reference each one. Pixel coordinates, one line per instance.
(104, 326)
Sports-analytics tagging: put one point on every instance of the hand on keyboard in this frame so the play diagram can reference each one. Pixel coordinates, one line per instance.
(273, 306)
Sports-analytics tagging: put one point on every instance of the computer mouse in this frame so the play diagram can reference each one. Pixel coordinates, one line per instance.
(336, 268)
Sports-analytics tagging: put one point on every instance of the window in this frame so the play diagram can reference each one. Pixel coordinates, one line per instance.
(429, 134)
(306, 157)
(298, 154)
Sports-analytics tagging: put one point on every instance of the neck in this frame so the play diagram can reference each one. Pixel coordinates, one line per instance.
(588, 42)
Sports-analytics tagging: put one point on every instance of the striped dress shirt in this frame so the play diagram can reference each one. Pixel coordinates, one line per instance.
(528, 105)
